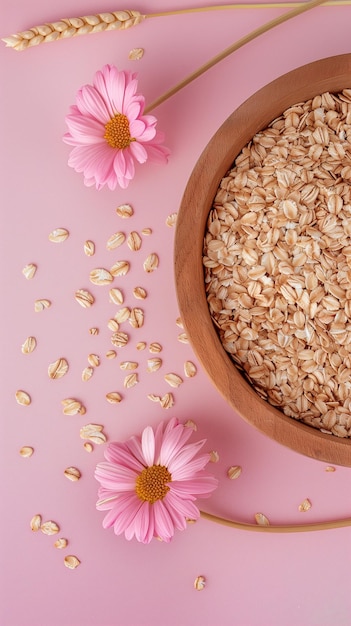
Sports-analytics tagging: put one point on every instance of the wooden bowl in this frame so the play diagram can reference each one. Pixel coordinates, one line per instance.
(330, 74)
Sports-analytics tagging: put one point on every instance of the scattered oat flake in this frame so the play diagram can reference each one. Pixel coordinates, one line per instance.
(29, 271)
(151, 263)
(191, 424)
(93, 331)
(93, 432)
(330, 468)
(71, 406)
(100, 276)
(125, 211)
(128, 365)
(199, 583)
(111, 354)
(120, 268)
(119, 339)
(122, 315)
(214, 456)
(154, 398)
(89, 248)
(153, 364)
(261, 519)
(113, 325)
(72, 473)
(167, 401)
(26, 451)
(23, 397)
(155, 347)
(134, 241)
(29, 345)
(93, 360)
(35, 523)
(58, 368)
(116, 296)
(71, 561)
(179, 322)
(305, 506)
(88, 447)
(58, 235)
(173, 379)
(183, 338)
(171, 219)
(189, 369)
(234, 472)
(61, 543)
(139, 293)
(136, 318)
(141, 345)
(130, 381)
(115, 240)
(146, 232)
(49, 528)
(84, 298)
(113, 397)
(87, 373)
(136, 54)
(40, 305)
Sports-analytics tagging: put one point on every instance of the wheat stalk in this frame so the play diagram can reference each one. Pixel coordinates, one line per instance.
(72, 26)
(288, 528)
(120, 20)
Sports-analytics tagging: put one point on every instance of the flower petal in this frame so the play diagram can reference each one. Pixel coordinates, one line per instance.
(148, 445)
(85, 130)
(185, 508)
(164, 527)
(115, 477)
(91, 103)
(185, 455)
(173, 442)
(119, 454)
(201, 487)
(138, 151)
(188, 470)
(126, 517)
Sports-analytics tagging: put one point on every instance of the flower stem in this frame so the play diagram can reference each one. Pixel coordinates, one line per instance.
(289, 528)
(301, 8)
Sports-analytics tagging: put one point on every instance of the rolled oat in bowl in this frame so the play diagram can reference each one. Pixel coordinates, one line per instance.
(277, 259)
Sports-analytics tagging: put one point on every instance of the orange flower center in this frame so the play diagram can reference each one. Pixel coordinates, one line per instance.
(151, 483)
(117, 133)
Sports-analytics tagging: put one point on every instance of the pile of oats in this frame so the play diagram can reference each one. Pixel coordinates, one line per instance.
(277, 258)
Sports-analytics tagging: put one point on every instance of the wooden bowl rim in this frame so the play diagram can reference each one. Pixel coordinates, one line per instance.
(329, 74)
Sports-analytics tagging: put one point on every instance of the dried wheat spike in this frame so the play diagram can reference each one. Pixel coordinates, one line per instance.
(69, 27)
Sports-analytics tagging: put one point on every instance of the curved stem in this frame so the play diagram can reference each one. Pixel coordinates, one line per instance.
(238, 44)
(249, 5)
(290, 528)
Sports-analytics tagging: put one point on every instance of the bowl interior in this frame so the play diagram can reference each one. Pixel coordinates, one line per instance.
(331, 74)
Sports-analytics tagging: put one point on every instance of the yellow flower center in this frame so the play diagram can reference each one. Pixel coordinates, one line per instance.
(151, 483)
(117, 132)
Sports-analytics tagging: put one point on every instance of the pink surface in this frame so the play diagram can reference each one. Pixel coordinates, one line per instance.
(252, 579)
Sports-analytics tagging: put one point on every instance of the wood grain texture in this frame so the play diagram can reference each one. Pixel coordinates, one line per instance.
(330, 74)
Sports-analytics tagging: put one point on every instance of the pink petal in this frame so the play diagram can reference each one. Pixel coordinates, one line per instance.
(147, 135)
(136, 128)
(138, 151)
(116, 477)
(95, 161)
(117, 453)
(164, 527)
(133, 110)
(133, 444)
(91, 103)
(144, 523)
(185, 508)
(85, 130)
(185, 455)
(191, 468)
(173, 442)
(130, 91)
(200, 487)
(126, 516)
(148, 445)
(157, 154)
(110, 518)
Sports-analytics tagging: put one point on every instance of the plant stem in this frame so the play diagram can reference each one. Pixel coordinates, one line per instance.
(306, 6)
(289, 528)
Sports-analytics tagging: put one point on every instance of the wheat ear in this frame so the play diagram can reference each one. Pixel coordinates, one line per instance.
(72, 26)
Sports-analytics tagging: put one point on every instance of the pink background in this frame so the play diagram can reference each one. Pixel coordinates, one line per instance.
(252, 579)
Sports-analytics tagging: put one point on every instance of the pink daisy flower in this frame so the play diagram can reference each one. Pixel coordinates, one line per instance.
(109, 131)
(149, 484)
